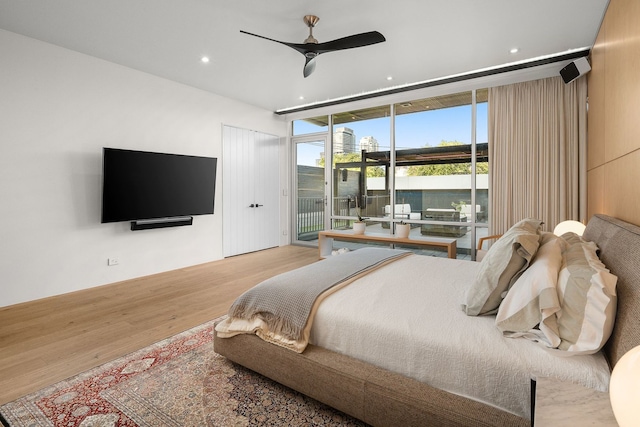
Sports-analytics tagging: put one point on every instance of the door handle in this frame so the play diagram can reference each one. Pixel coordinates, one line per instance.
(257, 205)
(252, 205)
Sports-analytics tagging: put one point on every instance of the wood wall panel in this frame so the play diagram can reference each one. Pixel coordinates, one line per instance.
(622, 62)
(596, 94)
(614, 115)
(621, 195)
(595, 184)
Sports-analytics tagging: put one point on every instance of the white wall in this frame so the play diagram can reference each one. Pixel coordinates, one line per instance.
(58, 108)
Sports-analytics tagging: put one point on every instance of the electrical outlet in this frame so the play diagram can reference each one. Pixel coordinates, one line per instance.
(113, 261)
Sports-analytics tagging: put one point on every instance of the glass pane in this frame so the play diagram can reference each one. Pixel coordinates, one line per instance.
(360, 187)
(433, 166)
(310, 184)
(482, 167)
(310, 125)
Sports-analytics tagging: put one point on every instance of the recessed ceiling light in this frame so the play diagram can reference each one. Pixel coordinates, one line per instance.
(205, 59)
(389, 78)
(514, 50)
(301, 97)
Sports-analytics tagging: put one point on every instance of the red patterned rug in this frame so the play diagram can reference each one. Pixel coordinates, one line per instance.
(177, 382)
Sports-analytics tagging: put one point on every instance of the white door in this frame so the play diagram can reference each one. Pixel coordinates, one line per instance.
(250, 207)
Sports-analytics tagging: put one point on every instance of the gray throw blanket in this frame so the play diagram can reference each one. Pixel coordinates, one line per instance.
(285, 302)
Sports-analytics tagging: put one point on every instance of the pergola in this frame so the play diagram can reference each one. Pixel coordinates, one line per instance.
(416, 157)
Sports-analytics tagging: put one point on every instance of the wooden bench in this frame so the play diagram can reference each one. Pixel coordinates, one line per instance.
(326, 237)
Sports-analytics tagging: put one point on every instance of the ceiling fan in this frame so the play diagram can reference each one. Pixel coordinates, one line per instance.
(311, 48)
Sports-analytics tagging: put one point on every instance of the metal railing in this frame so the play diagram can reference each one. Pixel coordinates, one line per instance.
(310, 219)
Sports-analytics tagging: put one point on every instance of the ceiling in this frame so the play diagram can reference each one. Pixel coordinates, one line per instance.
(425, 39)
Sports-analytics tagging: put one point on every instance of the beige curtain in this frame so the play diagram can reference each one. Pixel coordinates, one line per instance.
(537, 152)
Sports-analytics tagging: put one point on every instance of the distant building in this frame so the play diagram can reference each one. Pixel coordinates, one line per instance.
(344, 141)
(369, 144)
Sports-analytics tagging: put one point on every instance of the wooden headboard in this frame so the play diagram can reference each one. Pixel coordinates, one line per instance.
(619, 244)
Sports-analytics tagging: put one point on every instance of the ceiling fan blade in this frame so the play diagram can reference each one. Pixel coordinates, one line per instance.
(349, 42)
(297, 46)
(309, 66)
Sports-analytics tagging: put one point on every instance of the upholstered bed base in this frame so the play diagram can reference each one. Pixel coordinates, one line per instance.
(371, 394)
(382, 398)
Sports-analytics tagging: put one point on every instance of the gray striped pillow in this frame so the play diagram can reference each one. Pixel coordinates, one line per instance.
(508, 257)
(587, 294)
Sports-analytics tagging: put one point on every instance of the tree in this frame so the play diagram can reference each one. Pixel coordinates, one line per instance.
(447, 169)
(372, 171)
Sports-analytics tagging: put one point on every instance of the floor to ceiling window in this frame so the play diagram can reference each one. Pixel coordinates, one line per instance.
(435, 141)
(433, 175)
(357, 134)
(422, 162)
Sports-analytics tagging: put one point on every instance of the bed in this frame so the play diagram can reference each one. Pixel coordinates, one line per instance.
(383, 378)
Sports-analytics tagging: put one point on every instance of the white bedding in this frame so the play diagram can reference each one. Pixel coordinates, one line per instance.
(406, 317)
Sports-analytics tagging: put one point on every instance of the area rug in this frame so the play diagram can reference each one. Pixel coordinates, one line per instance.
(177, 382)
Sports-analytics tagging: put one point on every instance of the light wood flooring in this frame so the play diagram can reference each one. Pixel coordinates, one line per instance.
(45, 341)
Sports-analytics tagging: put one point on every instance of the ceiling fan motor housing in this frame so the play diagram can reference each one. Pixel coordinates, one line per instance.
(310, 20)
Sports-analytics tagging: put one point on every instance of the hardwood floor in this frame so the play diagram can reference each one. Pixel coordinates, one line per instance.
(48, 340)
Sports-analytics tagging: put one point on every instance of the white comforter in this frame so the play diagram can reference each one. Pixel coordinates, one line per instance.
(406, 317)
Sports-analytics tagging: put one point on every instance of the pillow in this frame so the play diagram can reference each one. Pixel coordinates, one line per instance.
(507, 258)
(533, 300)
(587, 295)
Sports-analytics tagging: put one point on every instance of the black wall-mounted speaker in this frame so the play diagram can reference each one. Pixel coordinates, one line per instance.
(147, 224)
(575, 69)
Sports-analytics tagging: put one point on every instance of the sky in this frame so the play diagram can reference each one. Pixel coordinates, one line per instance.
(415, 130)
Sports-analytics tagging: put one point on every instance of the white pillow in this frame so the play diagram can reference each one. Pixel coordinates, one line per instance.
(533, 300)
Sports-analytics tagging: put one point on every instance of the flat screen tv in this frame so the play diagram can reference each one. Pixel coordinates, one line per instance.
(141, 185)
